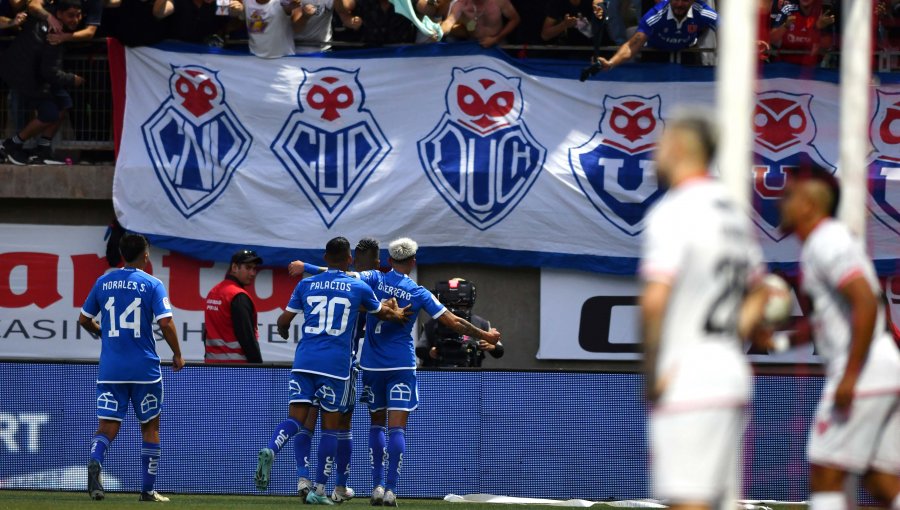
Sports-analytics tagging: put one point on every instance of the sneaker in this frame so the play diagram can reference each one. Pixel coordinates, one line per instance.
(342, 494)
(263, 468)
(95, 485)
(153, 497)
(15, 153)
(314, 498)
(304, 486)
(390, 499)
(377, 496)
(43, 155)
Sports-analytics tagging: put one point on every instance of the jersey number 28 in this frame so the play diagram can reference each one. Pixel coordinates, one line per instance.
(731, 281)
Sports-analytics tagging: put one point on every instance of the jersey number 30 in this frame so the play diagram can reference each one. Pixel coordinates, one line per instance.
(324, 309)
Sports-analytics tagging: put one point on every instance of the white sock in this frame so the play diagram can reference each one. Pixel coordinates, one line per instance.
(828, 501)
(895, 505)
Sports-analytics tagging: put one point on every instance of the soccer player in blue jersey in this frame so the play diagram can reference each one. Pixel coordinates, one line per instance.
(330, 304)
(129, 302)
(388, 363)
(671, 25)
(365, 258)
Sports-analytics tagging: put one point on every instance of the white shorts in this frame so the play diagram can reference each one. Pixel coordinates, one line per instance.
(868, 438)
(696, 454)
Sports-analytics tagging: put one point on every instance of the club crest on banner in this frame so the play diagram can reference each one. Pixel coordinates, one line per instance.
(785, 134)
(615, 168)
(330, 145)
(884, 171)
(481, 157)
(194, 139)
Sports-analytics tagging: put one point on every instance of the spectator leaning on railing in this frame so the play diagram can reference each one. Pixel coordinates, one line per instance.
(481, 20)
(92, 16)
(378, 23)
(672, 25)
(804, 29)
(314, 31)
(32, 67)
(568, 22)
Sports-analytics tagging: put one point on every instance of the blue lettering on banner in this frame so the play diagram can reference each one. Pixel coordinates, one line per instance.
(195, 141)
(615, 168)
(481, 157)
(884, 172)
(785, 132)
(331, 144)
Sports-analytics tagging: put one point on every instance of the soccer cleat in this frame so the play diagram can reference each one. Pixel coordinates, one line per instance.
(314, 498)
(377, 496)
(15, 153)
(263, 468)
(342, 494)
(304, 486)
(95, 485)
(153, 497)
(390, 499)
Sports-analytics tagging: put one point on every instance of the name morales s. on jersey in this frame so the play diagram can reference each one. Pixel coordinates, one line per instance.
(330, 304)
(701, 244)
(128, 302)
(390, 345)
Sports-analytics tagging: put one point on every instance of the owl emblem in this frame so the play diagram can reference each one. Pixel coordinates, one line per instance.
(884, 168)
(329, 94)
(631, 122)
(484, 100)
(885, 128)
(783, 122)
(197, 91)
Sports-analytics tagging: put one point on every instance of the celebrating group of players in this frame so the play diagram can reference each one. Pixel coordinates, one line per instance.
(337, 341)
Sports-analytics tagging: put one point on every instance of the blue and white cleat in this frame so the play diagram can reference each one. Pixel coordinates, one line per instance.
(341, 494)
(390, 499)
(263, 468)
(314, 498)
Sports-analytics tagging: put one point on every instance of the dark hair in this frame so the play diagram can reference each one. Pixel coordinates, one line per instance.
(367, 245)
(132, 246)
(337, 247)
(809, 171)
(65, 5)
(703, 128)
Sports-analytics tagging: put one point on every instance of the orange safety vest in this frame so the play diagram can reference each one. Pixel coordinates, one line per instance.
(221, 342)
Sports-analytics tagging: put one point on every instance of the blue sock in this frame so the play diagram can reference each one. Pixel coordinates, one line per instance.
(98, 448)
(149, 464)
(327, 451)
(284, 431)
(377, 453)
(395, 448)
(342, 457)
(302, 450)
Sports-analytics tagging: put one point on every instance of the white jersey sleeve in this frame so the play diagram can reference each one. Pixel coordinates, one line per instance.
(665, 245)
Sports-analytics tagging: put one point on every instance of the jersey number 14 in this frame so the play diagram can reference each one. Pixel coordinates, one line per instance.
(129, 319)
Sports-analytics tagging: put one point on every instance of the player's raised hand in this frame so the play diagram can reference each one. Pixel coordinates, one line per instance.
(492, 336)
(177, 363)
(296, 268)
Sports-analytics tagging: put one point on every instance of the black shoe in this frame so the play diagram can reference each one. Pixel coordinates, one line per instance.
(95, 486)
(15, 153)
(43, 155)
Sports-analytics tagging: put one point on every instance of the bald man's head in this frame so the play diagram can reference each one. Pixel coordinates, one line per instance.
(810, 194)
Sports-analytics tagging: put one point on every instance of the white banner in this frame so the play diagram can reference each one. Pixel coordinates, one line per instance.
(478, 157)
(46, 273)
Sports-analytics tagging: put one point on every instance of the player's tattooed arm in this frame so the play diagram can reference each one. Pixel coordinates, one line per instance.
(464, 327)
(654, 300)
(89, 324)
(390, 311)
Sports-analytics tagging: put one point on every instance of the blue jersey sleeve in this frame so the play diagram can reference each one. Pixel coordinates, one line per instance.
(643, 25)
(160, 303)
(370, 277)
(368, 299)
(428, 302)
(709, 18)
(295, 304)
(91, 307)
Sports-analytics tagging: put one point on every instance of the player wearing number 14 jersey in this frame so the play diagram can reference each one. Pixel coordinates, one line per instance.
(330, 304)
(127, 302)
(698, 261)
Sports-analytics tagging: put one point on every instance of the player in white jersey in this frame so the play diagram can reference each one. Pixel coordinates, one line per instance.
(857, 425)
(699, 261)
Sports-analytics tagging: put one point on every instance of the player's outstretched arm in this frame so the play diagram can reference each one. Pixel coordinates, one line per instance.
(89, 324)
(170, 333)
(654, 300)
(863, 313)
(298, 267)
(284, 323)
(390, 311)
(464, 327)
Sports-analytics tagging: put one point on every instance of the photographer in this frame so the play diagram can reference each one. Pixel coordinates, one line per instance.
(440, 346)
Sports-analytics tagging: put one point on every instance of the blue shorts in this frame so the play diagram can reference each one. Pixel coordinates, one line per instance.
(332, 395)
(394, 390)
(113, 398)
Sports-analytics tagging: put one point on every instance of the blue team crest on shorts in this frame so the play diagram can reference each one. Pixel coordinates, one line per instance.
(195, 141)
(481, 157)
(884, 171)
(615, 168)
(785, 134)
(330, 145)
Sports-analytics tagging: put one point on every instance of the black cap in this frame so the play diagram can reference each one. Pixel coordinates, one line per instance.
(246, 257)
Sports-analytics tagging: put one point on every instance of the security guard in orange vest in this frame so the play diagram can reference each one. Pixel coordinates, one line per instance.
(230, 316)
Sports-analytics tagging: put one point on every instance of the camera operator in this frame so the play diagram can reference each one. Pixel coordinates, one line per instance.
(440, 346)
